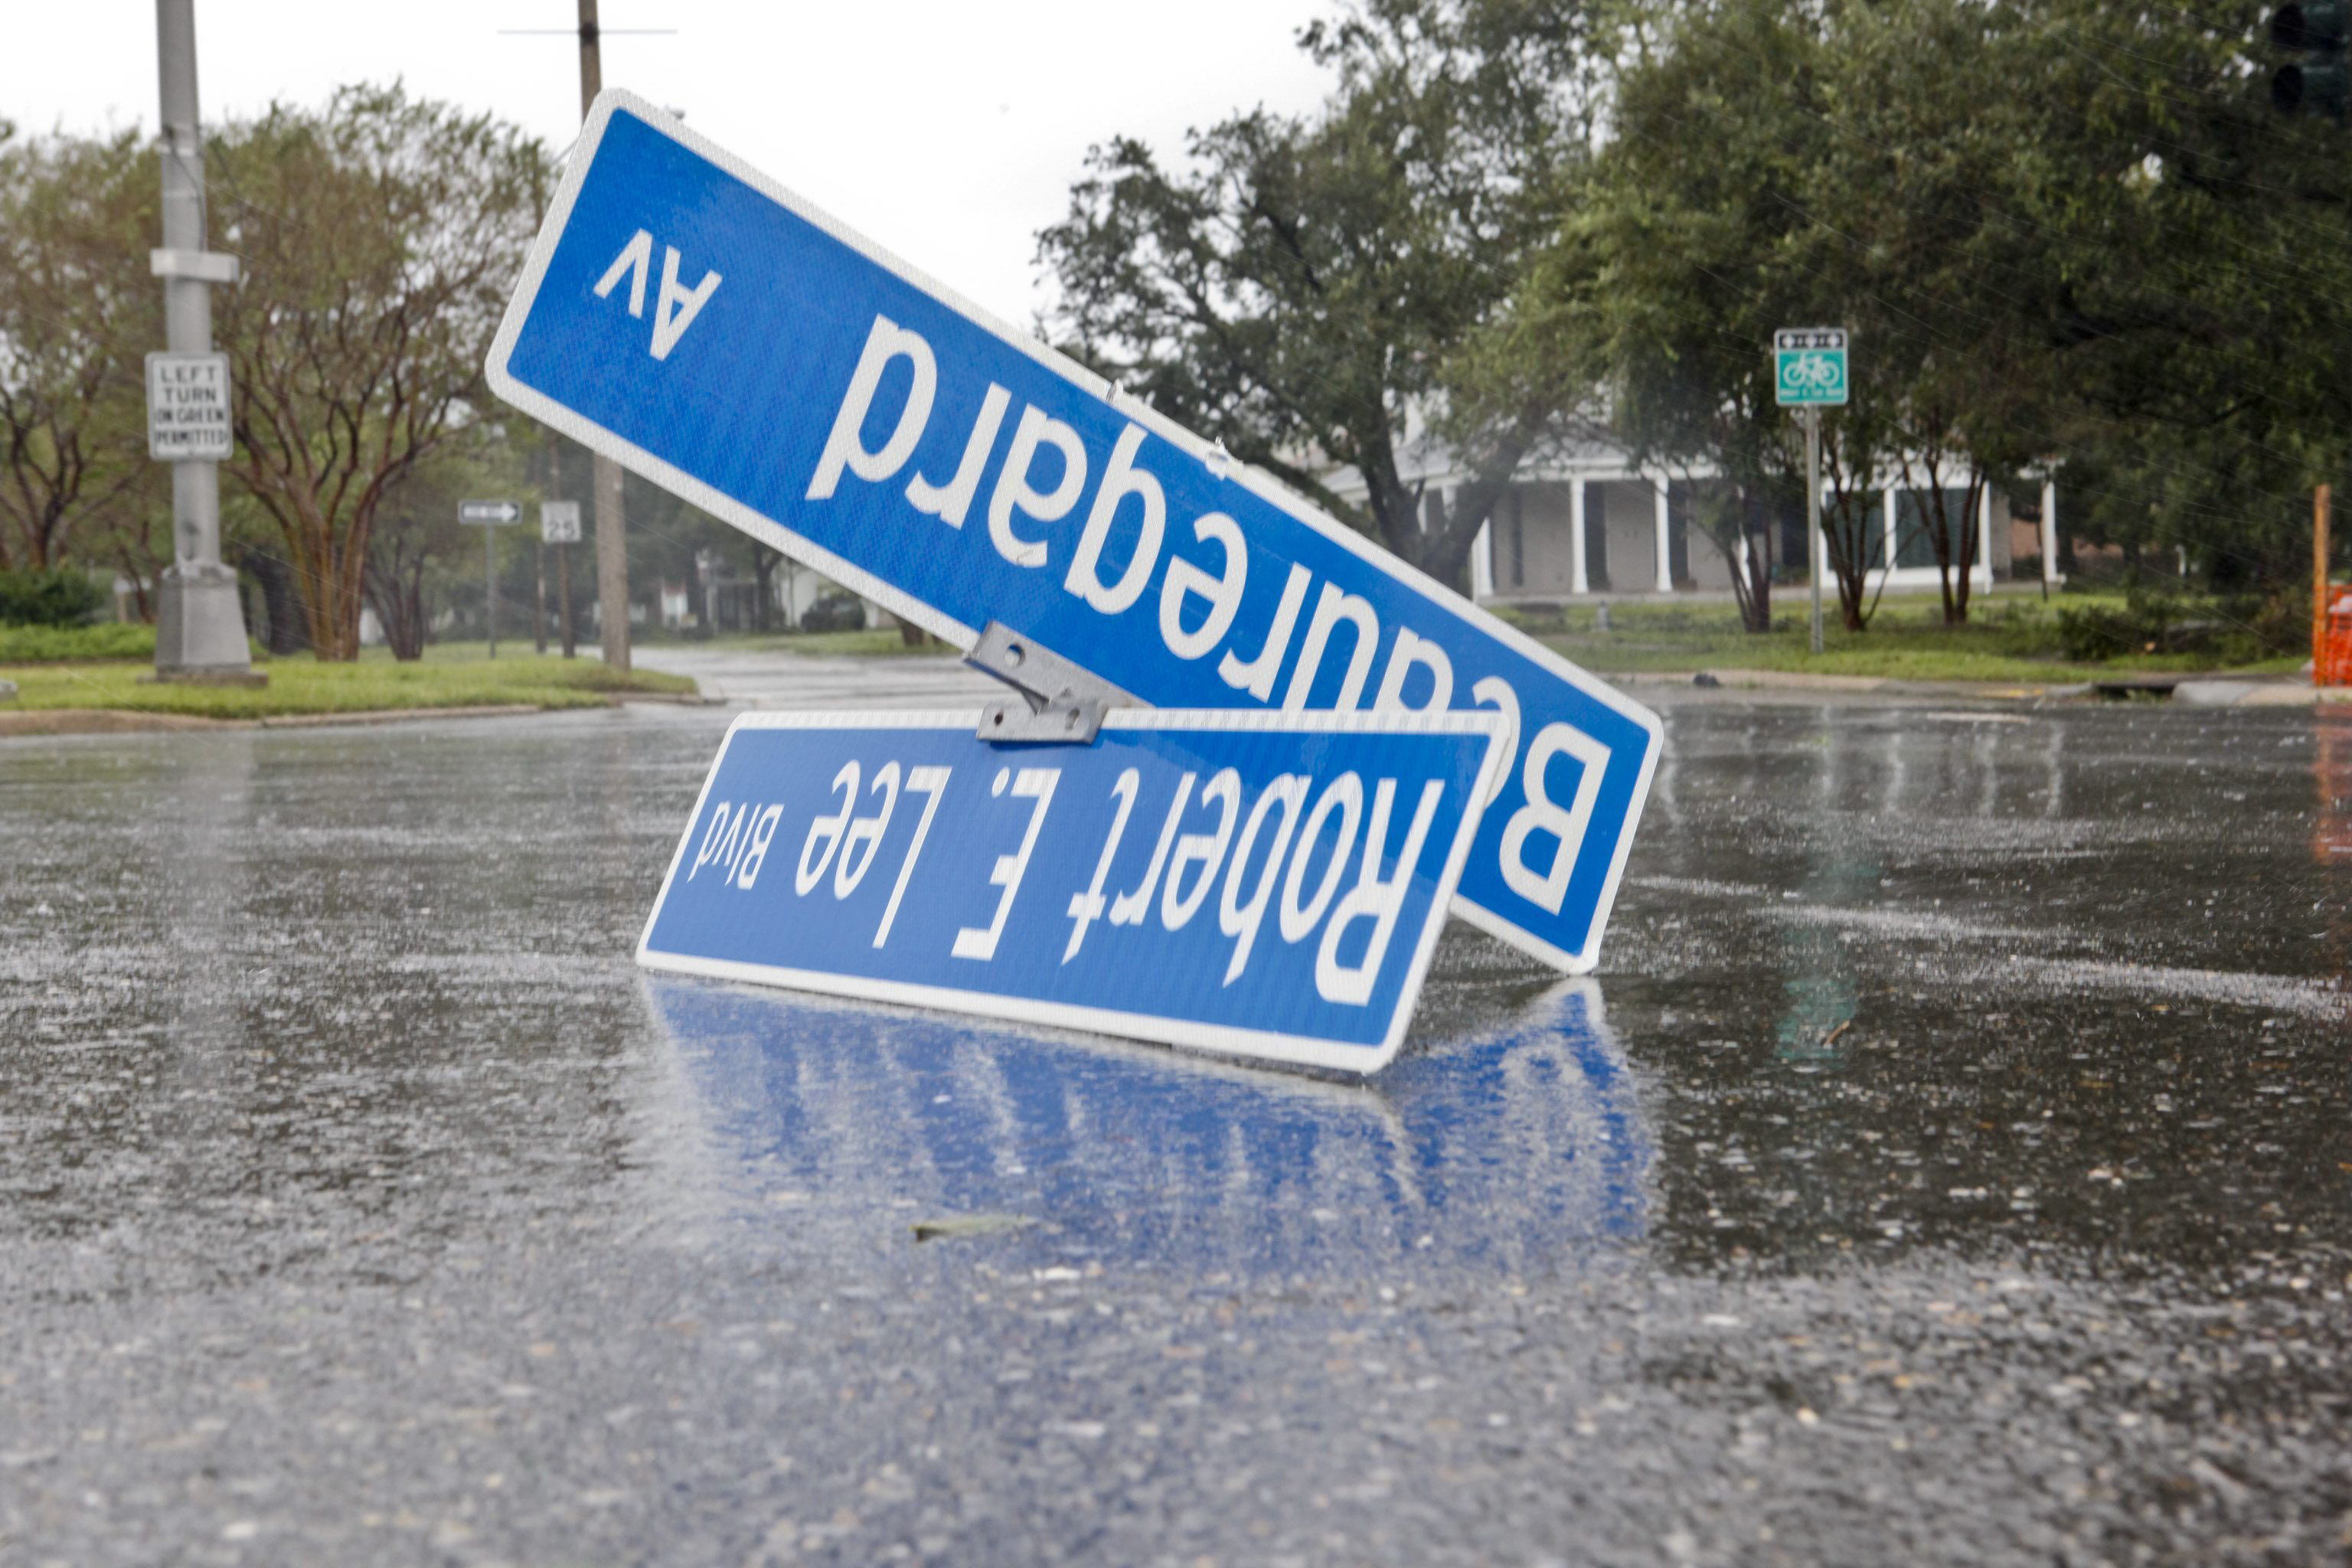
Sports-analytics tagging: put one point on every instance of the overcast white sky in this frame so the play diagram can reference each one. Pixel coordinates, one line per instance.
(947, 132)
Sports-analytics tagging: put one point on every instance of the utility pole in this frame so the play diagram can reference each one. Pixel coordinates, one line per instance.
(199, 622)
(612, 539)
(612, 543)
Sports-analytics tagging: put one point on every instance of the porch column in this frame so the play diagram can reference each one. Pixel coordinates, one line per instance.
(1665, 545)
(1892, 513)
(1577, 583)
(1984, 534)
(2050, 575)
(1482, 562)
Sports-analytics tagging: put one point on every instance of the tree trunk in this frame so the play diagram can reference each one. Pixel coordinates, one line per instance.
(1445, 556)
(396, 593)
(1756, 602)
(763, 573)
(283, 611)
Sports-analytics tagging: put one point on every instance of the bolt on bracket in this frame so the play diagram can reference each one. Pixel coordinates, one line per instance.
(1059, 700)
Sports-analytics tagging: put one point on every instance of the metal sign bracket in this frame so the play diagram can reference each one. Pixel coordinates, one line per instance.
(1059, 700)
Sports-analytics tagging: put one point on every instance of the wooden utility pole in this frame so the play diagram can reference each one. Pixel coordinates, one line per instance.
(2318, 583)
(612, 541)
(612, 537)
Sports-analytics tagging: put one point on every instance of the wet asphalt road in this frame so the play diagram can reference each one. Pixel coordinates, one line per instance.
(1949, 1164)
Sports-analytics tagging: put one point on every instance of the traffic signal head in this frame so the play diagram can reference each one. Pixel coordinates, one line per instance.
(2319, 83)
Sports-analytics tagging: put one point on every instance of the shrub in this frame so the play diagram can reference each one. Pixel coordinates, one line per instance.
(60, 596)
(2235, 630)
(68, 645)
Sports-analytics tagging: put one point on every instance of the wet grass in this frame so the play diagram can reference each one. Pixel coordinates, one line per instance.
(457, 676)
(2008, 638)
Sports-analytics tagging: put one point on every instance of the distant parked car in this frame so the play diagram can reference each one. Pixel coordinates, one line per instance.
(835, 613)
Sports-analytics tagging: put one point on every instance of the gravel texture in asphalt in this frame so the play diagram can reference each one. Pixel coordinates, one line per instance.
(1949, 1164)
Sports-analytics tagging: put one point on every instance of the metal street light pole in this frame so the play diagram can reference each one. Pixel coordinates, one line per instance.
(199, 622)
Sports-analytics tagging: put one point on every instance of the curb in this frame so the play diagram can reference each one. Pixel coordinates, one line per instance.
(130, 722)
(2257, 694)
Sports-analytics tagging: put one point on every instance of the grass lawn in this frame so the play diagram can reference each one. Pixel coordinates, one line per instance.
(2008, 638)
(458, 676)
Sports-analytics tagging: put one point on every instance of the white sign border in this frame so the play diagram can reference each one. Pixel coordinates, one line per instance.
(227, 449)
(759, 526)
(1264, 1045)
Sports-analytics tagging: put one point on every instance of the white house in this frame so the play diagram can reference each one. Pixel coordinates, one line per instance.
(1586, 521)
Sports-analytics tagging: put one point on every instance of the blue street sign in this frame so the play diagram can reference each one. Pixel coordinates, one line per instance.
(1268, 884)
(716, 333)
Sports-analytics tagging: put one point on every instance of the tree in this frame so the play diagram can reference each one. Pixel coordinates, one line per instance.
(380, 237)
(418, 548)
(1310, 290)
(77, 218)
(1671, 270)
(2059, 229)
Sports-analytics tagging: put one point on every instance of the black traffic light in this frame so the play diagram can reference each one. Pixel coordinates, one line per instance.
(2318, 83)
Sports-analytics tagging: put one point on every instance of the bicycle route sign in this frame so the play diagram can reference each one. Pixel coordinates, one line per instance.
(711, 330)
(1809, 367)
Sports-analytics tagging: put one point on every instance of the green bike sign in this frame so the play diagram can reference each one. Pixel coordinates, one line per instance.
(1809, 367)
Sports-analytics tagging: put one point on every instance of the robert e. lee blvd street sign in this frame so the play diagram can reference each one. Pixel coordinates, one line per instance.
(1809, 367)
(716, 333)
(1262, 882)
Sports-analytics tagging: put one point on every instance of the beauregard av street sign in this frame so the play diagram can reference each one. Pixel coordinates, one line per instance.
(711, 330)
(1260, 882)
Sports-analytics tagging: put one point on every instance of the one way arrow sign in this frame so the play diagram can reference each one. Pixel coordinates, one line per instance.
(490, 511)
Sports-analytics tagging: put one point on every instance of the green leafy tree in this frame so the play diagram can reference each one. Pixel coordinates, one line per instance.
(2062, 232)
(1310, 290)
(380, 237)
(77, 218)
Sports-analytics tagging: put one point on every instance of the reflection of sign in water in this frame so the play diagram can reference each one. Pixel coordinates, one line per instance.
(1507, 1151)
(1264, 883)
(2331, 838)
(714, 332)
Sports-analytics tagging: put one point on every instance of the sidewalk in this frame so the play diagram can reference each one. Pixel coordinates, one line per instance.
(796, 680)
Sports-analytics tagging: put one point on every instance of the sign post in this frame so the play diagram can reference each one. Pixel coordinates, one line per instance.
(199, 620)
(1809, 372)
(559, 524)
(489, 514)
(711, 330)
